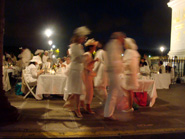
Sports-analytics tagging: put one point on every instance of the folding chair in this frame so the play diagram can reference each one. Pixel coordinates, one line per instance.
(30, 86)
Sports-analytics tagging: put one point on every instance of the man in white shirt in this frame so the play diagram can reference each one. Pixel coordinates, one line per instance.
(114, 50)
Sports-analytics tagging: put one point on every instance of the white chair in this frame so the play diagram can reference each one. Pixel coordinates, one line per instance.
(30, 86)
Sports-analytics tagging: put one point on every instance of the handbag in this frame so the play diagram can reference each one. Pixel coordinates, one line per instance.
(140, 98)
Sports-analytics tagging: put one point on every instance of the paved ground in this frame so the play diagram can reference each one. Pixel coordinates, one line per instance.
(47, 119)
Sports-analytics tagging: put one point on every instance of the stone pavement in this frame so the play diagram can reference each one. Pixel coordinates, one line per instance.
(48, 119)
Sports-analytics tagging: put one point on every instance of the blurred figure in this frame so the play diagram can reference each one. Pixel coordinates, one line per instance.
(45, 57)
(114, 50)
(161, 68)
(13, 58)
(74, 83)
(144, 68)
(170, 69)
(101, 79)
(131, 69)
(88, 73)
(147, 60)
(25, 57)
(47, 65)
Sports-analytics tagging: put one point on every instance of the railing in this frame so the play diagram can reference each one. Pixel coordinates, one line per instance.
(177, 63)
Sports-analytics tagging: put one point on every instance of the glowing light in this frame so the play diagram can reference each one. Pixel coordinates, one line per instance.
(51, 49)
(149, 56)
(161, 48)
(53, 46)
(53, 56)
(48, 32)
(50, 42)
(122, 54)
(57, 51)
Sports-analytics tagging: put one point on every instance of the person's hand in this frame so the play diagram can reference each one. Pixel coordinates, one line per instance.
(97, 59)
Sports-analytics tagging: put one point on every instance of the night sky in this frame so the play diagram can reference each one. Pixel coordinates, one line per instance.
(147, 21)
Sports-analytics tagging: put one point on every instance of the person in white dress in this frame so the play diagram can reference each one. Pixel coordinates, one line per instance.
(114, 49)
(25, 57)
(131, 70)
(74, 83)
(45, 57)
(101, 79)
(88, 73)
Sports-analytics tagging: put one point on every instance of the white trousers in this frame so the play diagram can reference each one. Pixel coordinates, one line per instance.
(113, 93)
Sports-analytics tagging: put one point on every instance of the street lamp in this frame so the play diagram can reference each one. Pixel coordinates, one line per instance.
(48, 32)
(50, 42)
(53, 46)
(161, 49)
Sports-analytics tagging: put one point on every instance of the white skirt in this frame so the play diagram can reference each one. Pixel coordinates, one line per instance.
(74, 82)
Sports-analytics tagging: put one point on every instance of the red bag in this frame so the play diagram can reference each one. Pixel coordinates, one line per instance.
(140, 98)
(122, 103)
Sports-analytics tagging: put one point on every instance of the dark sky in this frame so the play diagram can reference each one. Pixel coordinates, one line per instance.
(147, 21)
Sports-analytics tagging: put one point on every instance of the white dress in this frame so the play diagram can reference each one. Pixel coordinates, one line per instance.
(74, 81)
(88, 77)
(101, 79)
(131, 69)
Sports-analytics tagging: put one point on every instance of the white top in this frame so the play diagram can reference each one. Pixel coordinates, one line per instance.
(31, 73)
(44, 58)
(114, 60)
(77, 57)
(100, 80)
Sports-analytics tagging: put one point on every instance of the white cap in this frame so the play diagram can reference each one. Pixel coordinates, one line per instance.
(82, 31)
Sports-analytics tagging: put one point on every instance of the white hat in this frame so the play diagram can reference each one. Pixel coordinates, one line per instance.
(91, 42)
(36, 59)
(39, 51)
(46, 51)
(82, 31)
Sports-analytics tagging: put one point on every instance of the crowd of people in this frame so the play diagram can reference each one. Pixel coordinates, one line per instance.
(115, 66)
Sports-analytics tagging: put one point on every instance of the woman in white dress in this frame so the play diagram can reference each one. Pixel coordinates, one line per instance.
(88, 73)
(101, 79)
(74, 84)
(131, 69)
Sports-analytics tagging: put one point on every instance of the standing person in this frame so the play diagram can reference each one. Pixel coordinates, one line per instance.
(101, 79)
(74, 84)
(25, 57)
(114, 50)
(45, 57)
(147, 60)
(88, 73)
(131, 69)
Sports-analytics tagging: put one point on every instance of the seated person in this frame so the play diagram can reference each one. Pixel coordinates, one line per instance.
(161, 68)
(31, 72)
(47, 65)
(144, 68)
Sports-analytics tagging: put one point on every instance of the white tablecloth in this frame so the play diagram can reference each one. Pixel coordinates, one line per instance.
(162, 81)
(6, 81)
(51, 84)
(149, 87)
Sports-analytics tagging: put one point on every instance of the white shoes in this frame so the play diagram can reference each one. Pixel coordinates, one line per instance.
(128, 110)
